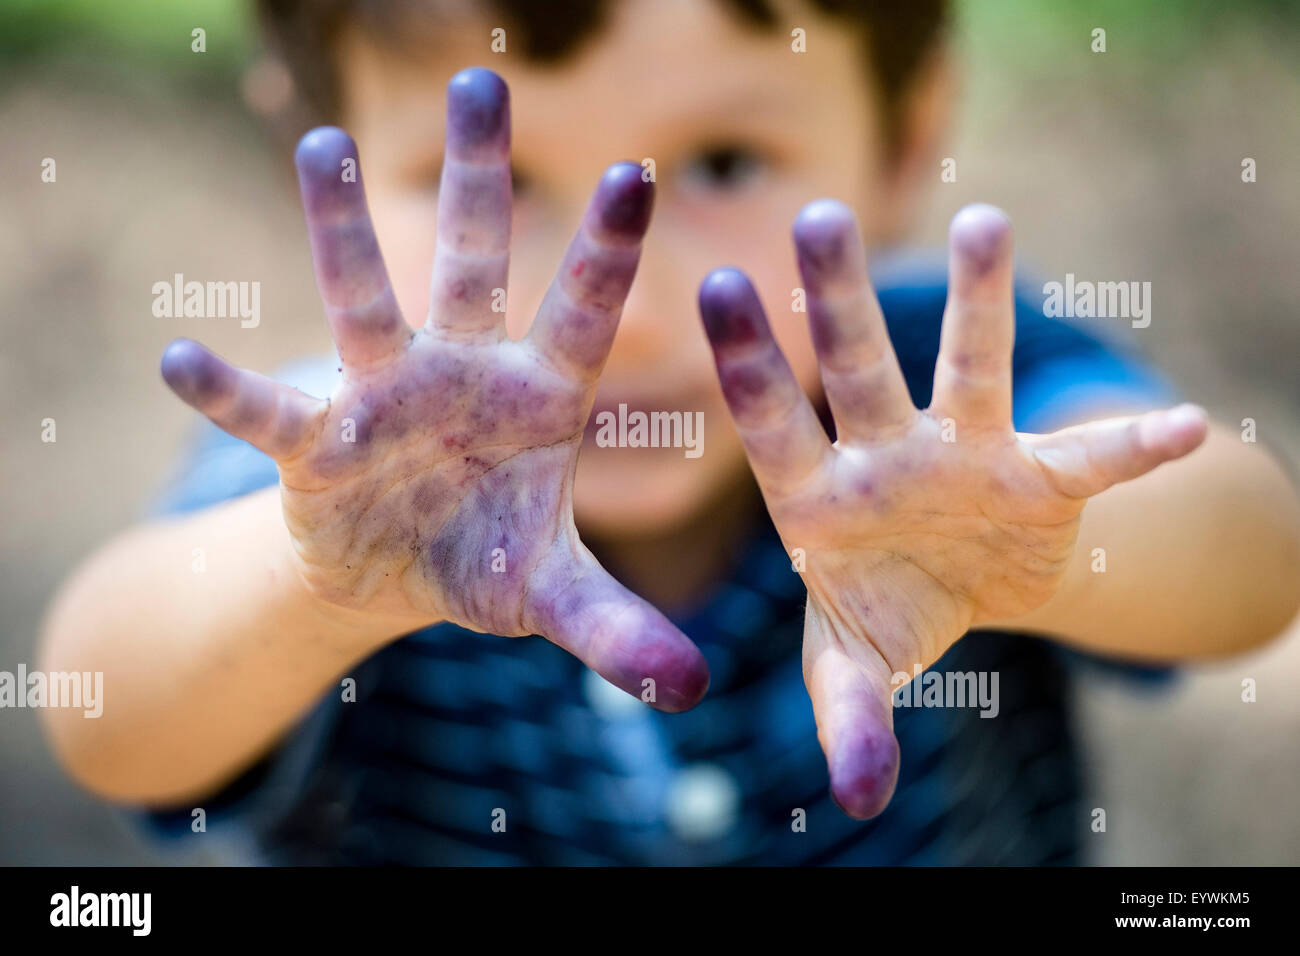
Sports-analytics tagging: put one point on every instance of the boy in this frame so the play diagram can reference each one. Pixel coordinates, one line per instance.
(436, 491)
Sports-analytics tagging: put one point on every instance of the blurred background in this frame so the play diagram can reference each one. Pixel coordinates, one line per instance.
(1123, 165)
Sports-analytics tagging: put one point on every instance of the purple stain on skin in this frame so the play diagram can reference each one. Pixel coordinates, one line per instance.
(823, 232)
(346, 260)
(643, 645)
(729, 307)
(346, 254)
(864, 772)
(980, 233)
(194, 373)
(598, 276)
(663, 654)
(624, 201)
(321, 152)
(680, 672)
(424, 497)
(746, 386)
(829, 337)
(478, 114)
(320, 158)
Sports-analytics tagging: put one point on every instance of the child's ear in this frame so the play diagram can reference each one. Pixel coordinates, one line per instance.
(912, 166)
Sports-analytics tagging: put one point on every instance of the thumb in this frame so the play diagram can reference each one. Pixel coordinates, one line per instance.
(852, 702)
(575, 603)
(1087, 459)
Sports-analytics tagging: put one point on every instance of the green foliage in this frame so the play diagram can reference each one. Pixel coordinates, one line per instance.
(1035, 33)
(155, 33)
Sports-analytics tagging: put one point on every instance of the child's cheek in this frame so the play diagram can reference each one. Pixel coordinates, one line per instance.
(780, 288)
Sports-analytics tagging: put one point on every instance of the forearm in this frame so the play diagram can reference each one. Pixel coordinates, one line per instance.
(207, 655)
(1201, 558)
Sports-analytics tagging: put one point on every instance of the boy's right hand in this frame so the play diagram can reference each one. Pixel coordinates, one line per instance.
(436, 482)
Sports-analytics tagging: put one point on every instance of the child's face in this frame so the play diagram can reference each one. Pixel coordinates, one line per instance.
(743, 132)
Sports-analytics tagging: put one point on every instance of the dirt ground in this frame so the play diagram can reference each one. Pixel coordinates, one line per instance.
(1106, 172)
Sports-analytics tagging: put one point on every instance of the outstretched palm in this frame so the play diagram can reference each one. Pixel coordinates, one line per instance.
(914, 525)
(436, 481)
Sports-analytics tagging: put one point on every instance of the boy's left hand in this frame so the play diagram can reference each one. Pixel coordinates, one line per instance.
(915, 525)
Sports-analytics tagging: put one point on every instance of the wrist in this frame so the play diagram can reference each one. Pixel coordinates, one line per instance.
(351, 628)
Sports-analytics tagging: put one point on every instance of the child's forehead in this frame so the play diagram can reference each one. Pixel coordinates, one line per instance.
(647, 60)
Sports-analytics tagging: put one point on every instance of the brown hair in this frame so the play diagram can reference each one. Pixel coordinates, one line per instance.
(897, 35)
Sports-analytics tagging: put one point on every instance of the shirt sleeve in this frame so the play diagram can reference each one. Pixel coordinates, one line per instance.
(218, 468)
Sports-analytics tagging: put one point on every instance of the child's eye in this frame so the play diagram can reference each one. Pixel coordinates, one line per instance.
(728, 166)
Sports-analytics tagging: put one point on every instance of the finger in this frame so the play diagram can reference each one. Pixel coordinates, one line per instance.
(578, 606)
(363, 315)
(972, 379)
(472, 256)
(860, 372)
(267, 414)
(575, 325)
(780, 430)
(852, 703)
(1087, 459)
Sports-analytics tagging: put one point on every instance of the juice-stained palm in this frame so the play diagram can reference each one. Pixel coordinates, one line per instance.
(436, 481)
(915, 525)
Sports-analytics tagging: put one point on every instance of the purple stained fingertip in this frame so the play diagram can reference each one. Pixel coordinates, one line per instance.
(194, 373)
(478, 115)
(679, 670)
(329, 177)
(730, 310)
(823, 233)
(321, 152)
(624, 200)
(864, 772)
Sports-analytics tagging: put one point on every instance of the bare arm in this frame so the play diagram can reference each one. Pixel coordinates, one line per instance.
(203, 669)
